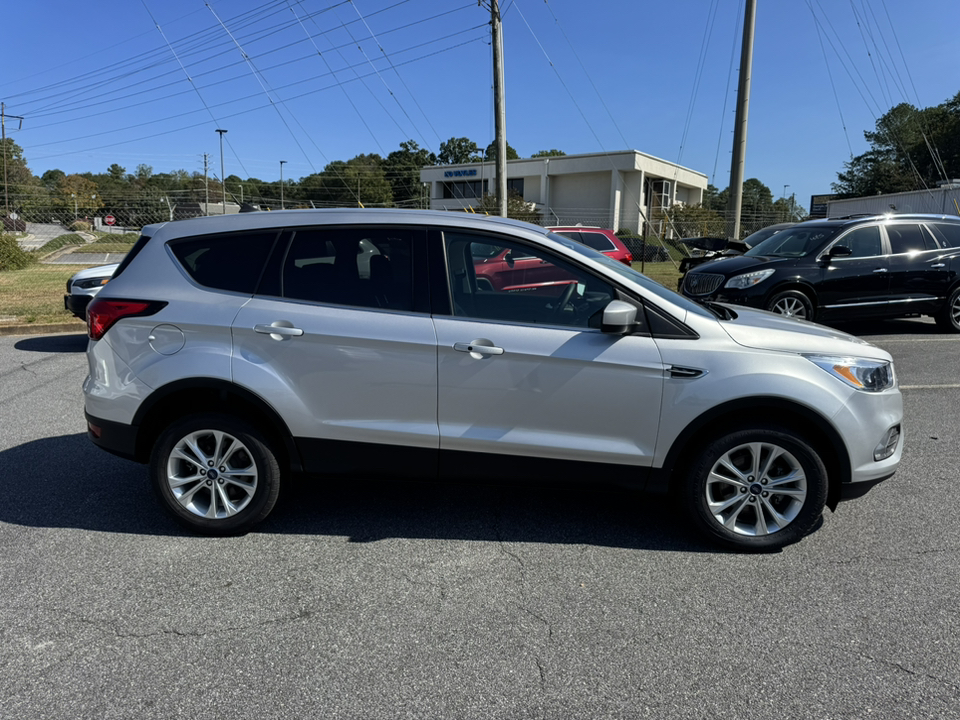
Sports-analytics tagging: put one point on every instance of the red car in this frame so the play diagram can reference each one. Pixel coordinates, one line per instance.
(600, 239)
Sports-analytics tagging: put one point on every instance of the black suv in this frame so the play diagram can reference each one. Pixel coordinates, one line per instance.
(844, 269)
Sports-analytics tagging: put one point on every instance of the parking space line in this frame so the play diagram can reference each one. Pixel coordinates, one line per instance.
(929, 387)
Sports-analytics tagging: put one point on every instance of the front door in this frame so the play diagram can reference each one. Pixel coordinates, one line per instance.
(527, 372)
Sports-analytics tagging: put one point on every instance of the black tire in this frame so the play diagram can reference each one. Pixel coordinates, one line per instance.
(731, 491)
(949, 316)
(791, 303)
(215, 474)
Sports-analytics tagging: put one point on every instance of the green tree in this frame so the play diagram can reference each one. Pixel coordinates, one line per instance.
(910, 149)
(490, 154)
(358, 181)
(402, 168)
(79, 195)
(457, 151)
(548, 153)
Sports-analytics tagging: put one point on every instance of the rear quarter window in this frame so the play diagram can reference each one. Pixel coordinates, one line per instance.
(948, 234)
(230, 261)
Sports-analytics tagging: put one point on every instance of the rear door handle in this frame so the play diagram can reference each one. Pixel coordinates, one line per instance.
(938, 265)
(477, 350)
(880, 270)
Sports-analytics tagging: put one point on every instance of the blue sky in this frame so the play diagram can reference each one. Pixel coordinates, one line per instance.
(312, 81)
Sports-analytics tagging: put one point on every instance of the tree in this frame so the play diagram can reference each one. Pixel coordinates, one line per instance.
(402, 168)
(79, 195)
(548, 153)
(457, 151)
(910, 149)
(360, 180)
(18, 175)
(490, 154)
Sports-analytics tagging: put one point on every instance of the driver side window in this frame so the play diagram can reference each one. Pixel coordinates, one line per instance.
(493, 279)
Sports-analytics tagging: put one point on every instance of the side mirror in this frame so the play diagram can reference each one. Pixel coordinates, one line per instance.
(508, 258)
(619, 318)
(840, 251)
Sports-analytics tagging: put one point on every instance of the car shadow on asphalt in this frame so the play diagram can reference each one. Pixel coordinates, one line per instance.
(66, 482)
(73, 343)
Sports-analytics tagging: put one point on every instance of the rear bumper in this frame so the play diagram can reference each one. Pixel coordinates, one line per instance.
(116, 438)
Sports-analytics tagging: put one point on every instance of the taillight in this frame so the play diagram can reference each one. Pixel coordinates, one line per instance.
(627, 260)
(102, 313)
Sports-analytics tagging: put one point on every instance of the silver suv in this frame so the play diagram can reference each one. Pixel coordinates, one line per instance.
(229, 351)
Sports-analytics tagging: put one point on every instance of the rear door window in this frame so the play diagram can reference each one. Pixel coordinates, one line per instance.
(226, 261)
(361, 266)
(909, 237)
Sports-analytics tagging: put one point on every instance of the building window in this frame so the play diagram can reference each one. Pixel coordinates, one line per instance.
(464, 189)
(515, 186)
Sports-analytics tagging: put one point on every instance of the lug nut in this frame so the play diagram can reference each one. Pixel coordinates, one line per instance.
(753, 498)
(210, 463)
(210, 482)
(765, 493)
(764, 481)
(742, 490)
(223, 469)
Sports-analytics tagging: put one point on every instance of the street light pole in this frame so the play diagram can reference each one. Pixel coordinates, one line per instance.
(281, 183)
(223, 183)
(785, 197)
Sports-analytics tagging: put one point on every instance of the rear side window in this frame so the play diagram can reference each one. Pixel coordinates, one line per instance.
(597, 241)
(366, 267)
(909, 238)
(228, 261)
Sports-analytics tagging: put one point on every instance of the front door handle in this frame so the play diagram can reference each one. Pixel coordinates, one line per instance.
(478, 348)
(880, 270)
(279, 330)
(938, 265)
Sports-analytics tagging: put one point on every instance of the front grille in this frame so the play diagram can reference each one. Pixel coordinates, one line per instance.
(702, 283)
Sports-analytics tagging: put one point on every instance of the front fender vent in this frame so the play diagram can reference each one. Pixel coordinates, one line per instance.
(686, 373)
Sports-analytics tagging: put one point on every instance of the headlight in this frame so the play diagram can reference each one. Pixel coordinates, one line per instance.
(747, 280)
(859, 373)
(91, 283)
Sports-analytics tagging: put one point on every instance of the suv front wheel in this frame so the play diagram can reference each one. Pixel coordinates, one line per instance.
(756, 489)
(215, 474)
(791, 303)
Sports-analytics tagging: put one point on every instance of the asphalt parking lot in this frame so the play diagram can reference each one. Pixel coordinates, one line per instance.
(427, 601)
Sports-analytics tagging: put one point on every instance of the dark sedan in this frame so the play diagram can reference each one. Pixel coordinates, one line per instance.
(845, 268)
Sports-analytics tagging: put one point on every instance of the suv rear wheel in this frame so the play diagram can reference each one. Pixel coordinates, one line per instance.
(756, 489)
(215, 474)
(949, 316)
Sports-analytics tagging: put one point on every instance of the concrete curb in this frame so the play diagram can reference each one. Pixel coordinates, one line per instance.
(48, 329)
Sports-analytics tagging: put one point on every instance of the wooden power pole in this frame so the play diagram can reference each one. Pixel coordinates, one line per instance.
(499, 112)
(740, 126)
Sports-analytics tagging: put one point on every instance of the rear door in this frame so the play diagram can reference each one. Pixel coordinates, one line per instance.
(919, 272)
(334, 340)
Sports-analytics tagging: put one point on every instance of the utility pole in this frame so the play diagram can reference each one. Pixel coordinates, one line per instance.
(206, 188)
(500, 111)
(740, 128)
(3, 129)
(223, 179)
(281, 183)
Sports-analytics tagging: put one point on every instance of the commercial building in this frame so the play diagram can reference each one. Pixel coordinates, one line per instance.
(618, 190)
(942, 200)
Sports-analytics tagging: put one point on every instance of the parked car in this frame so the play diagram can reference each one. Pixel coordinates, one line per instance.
(223, 361)
(83, 286)
(600, 239)
(708, 248)
(845, 268)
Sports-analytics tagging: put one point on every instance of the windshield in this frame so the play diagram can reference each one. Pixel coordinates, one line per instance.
(794, 242)
(628, 272)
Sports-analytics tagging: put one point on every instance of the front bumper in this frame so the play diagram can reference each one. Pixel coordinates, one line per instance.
(77, 304)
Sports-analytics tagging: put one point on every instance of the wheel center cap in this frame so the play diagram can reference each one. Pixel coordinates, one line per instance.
(213, 475)
(756, 489)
